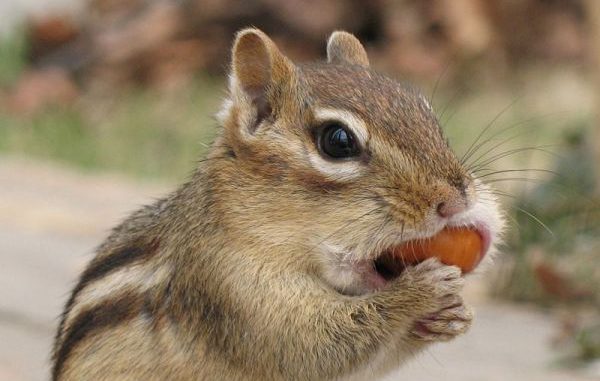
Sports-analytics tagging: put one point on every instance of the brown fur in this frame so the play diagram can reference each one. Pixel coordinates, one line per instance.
(244, 297)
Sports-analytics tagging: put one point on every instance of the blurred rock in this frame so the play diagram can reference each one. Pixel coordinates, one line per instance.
(468, 26)
(556, 283)
(39, 89)
(530, 29)
(46, 34)
(316, 19)
(107, 7)
(148, 29)
(174, 63)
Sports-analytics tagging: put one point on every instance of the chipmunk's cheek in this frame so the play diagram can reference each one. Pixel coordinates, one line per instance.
(348, 275)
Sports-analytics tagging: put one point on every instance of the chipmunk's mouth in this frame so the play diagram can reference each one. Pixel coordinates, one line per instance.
(354, 275)
(390, 264)
(385, 268)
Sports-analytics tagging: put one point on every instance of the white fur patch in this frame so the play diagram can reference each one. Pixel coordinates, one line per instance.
(354, 123)
(224, 111)
(484, 211)
(342, 171)
(426, 102)
(246, 114)
(339, 269)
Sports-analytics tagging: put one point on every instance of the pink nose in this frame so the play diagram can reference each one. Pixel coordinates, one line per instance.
(449, 209)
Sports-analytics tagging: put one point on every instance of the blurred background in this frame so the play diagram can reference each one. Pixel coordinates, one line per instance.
(107, 104)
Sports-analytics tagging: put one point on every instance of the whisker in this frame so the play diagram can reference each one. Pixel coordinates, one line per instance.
(510, 127)
(499, 195)
(456, 96)
(437, 82)
(536, 220)
(499, 172)
(494, 192)
(498, 145)
(489, 125)
(513, 220)
(490, 169)
(502, 155)
(450, 117)
(525, 179)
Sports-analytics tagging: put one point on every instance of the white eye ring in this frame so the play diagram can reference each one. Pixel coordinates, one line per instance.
(340, 170)
(354, 123)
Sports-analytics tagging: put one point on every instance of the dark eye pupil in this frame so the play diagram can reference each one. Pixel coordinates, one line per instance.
(338, 142)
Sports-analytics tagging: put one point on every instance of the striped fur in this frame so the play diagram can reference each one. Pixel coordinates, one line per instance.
(116, 309)
(112, 312)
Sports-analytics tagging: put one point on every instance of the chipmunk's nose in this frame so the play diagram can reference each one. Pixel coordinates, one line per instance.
(447, 209)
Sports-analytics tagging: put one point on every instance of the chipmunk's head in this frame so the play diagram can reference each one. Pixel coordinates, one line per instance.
(337, 163)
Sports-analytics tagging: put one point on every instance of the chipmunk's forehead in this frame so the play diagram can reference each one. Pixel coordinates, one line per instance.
(377, 99)
(357, 89)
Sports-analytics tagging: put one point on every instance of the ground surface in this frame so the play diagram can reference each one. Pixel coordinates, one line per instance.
(51, 219)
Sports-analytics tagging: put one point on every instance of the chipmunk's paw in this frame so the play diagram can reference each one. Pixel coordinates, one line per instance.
(447, 323)
(443, 313)
(434, 285)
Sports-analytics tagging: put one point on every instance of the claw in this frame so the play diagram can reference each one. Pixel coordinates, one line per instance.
(445, 324)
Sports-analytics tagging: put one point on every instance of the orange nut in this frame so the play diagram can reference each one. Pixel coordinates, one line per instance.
(462, 247)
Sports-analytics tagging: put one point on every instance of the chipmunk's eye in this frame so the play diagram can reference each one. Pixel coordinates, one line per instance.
(336, 141)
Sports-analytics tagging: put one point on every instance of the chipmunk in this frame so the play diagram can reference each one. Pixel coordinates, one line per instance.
(270, 263)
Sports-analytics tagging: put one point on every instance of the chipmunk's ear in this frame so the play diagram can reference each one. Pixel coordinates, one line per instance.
(343, 47)
(258, 71)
